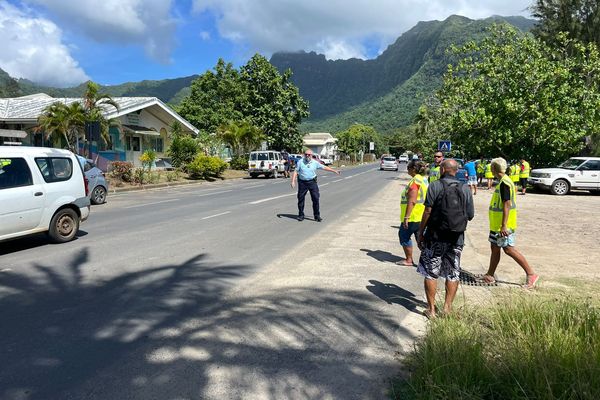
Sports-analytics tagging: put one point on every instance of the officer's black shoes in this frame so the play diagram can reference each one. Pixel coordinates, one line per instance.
(318, 219)
(300, 218)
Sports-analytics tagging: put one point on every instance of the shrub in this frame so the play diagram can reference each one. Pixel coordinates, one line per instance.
(147, 159)
(182, 150)
(204, 167)
(121, 170)
(154, 177)
(172, 176)
(239, 163)
(139, 176)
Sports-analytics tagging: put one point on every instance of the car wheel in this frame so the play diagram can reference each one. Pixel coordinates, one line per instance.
(63, 226)
(595, 192)
(559, 187)
(98, 195)
(275, 174)
(253, 176)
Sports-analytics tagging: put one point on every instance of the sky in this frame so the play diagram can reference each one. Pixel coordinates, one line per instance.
(65, 42)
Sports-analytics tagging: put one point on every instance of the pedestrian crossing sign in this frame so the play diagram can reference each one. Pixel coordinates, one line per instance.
(444, 145)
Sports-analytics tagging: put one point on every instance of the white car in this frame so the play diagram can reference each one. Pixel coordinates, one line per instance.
(575, 173)
(388, 162)
(403, 158)
(266, 162)
(41, 190)
(326, 160)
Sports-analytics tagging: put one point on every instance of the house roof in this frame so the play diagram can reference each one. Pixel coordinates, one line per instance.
(27, 109)
(318, 139)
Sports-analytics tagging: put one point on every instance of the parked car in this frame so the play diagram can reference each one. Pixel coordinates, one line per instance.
(575, 173)
(265, 162)
(97, 184)
(461, 174)
(326, 160)
(403, 158)
(388, 162)
(41, 190)
(318, 158)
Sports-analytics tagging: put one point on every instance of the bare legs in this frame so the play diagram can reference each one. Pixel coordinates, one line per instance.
(514, 254)
(408, 252)
(430, 290)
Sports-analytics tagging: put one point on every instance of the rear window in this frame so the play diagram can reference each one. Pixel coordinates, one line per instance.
(14, 172)
(55, 169)
(389, 159)
(259, 156)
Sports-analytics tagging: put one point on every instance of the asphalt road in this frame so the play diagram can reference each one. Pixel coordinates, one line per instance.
(73, 313)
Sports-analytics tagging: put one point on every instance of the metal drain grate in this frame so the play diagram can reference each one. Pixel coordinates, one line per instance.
(470, 279)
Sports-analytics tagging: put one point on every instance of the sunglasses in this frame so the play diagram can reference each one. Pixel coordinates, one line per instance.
(438, 156)
(307, 154)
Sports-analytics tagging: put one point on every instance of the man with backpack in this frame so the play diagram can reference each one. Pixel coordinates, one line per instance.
(448, 208)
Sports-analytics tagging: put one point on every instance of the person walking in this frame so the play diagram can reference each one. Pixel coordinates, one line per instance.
(524, 175)
(448, 208)
(412, 208)
(286, 163)
(472, 176)
(488, 175)
(480, 171)
(503, 225)
(514, 169)
(306, 174)
(434, 172)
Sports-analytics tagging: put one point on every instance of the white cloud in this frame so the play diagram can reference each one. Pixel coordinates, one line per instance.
(146, 22)
(336, 27)
(32, 48)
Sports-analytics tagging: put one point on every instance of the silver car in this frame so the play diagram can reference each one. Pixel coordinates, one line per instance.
(388, 162)
(97, 184)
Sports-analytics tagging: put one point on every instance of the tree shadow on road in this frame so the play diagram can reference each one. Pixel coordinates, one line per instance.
(178, 331)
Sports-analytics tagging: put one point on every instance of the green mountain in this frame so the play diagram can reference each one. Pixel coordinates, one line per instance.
(385, 92)
(168, 90)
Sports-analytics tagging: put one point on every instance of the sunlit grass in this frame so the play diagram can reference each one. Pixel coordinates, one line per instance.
(523, 347)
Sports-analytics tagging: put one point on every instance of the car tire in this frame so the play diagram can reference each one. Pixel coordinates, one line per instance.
(253, 176)
(64, 225)
(275, 174)
(559, 187)
(98, 195)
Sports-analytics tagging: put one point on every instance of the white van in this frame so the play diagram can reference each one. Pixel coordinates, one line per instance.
(267, 162)
(41, 190)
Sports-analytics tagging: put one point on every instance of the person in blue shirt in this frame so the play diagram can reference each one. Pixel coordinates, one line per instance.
(306, 174)
(471, 169)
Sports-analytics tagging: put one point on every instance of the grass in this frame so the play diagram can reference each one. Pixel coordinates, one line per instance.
(523, 347)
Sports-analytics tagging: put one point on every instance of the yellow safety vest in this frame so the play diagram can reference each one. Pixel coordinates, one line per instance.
(514, 175)
(488, 171)
(417, 212)
(480, 168)
(525, 171)
(496, 208)
(434, 174)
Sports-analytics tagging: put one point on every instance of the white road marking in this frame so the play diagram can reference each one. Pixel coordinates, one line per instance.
(339, 180)
(210, 194)
(324, 184)
(5, 270)
(255, 186)
(348, 177)
(216, 215)
(150, 204)
(272, 198)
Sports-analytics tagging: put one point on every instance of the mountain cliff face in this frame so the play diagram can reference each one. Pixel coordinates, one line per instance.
(387, 91)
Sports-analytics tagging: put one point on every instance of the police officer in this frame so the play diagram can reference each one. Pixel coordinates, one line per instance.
(524, 174)
(306, 174)
(434, 173)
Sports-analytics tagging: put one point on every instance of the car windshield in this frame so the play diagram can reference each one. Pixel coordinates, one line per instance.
(571, 163)
(259, 156)
(389, 159)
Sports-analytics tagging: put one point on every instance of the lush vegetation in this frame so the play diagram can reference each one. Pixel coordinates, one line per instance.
(356, 140)
(521, 348)
(256, 95)
(206, 167)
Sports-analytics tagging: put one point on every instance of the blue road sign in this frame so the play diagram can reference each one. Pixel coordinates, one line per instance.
(444, 145)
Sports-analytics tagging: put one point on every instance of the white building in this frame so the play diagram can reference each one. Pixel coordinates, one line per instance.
(321, 143)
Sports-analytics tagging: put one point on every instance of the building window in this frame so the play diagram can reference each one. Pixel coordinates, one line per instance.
(158, 145)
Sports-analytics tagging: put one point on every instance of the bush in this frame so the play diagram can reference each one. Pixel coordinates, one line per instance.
(139, 176)
(121, 170)
(172, 176)
(182, 150)
(239, 163)
(204, 167)
(147, 159)
(521, 348)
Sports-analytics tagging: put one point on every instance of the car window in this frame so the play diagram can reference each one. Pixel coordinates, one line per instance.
(571, 163)
(55, 169)
(263, 156)
(14, 172)
(389, 159)
(271, 156)
(87, 166)
(591, 165)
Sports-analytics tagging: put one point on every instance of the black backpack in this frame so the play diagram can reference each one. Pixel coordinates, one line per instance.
(449, 210)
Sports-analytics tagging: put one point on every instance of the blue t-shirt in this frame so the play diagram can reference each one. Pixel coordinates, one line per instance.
(470, 167)
(307, 171)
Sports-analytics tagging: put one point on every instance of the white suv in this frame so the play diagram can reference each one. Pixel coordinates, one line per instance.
(41, 190)
(575, 173)
(267, 162)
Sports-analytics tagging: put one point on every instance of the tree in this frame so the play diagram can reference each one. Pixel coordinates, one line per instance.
(514, 96)
(183, 147)
(580, 19)
(356, 139)
(61, 121)
(96, 105)
(242, 137)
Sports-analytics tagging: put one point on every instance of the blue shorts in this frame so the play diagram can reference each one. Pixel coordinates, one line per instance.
(472, 180)
(502, 241)
(405, 234)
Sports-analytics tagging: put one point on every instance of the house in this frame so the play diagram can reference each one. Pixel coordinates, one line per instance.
(144, 124)
(322, 144)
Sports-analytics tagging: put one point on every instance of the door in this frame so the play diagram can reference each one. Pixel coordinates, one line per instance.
(134, 150)
(21, 200)
(588, 175)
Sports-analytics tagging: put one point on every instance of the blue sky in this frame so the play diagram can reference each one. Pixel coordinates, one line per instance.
(65, 42)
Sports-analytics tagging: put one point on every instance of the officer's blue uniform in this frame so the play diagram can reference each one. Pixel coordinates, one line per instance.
(307, 182)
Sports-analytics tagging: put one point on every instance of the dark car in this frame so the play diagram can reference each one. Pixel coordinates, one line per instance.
(461, 175)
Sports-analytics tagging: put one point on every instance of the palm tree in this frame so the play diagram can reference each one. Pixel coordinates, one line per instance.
(240, 136)
(95, 105)
(61, 121)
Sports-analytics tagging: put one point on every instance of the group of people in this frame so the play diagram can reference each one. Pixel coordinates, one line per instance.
(436, 209)
(517, 171)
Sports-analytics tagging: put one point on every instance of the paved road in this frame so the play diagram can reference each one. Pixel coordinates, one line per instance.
(75, 313)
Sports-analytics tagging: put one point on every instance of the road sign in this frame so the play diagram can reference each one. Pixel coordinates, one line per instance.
(371, 146)
(444, 145)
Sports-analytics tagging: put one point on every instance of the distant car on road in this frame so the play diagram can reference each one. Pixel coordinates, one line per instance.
(267, 162)
(575, 173)
(388, 162)
(97, 183)
(326, 160)
(403, 158)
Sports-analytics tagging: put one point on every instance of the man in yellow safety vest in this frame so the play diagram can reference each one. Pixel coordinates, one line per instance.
(488, 175)
(503, 225)
(515, 169)
(524, 174)
(434, 173)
